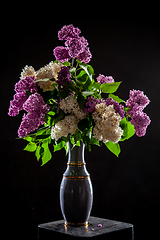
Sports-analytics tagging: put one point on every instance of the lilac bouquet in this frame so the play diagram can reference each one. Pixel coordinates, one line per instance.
(62, 101)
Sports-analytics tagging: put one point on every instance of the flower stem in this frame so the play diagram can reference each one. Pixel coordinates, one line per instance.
(72, 61)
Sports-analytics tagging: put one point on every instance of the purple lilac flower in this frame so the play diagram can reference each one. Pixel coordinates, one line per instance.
(140, 120)
(36, 108)
(35, 103)
(85, 56)
(26, 84)
(61, 53)
(91, 103)
(64, 76)
(82, 40)
(117, 107)
(68, 32)
(30, 122)
(102, 79)
(16, 104)
(137, 101)
(76, 47)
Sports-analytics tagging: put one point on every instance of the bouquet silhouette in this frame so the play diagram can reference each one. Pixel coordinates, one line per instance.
(63, 102)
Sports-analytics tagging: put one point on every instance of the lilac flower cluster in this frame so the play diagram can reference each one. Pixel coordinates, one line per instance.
(117, 107)
(140, 120)
(61, 54)
(36, 109)
(34, 105)
(136, 103)
(68, 32)
(92, 102)
(75, 46)
(64, 77)
(26, 84)
(102, 79)
(16, 104)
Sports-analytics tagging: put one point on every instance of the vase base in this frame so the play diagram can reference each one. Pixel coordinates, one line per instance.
(76, 224)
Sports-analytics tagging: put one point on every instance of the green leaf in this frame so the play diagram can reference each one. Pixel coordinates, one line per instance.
(81, 101)
(94, 141)
(43, 136)
(29, 138)
(37, 153)
(31, 147)
(55, 85)
(110, 87)
(66, 64)
(82, 72)
(87, 84)
(72, 70)
(48, 120)
(51, 113)
(77, 137)
(42, 80)
(59, 146)
(131, 130)
(59, 116)
(86, 141)
(40, 131)
(63, 93)
(84, 78)
(95, 86)
(70, 85)
(66, 147)
(128, 129)
(83, 124)
(46, 154)
(113, 147)
(87, 93)
(56, 61)
(116, 98)
(88, 69)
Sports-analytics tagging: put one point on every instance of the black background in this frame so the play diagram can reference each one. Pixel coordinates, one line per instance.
(125, 188)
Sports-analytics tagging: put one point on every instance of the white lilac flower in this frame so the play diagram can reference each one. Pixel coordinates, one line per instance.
(27, 71)
(106, 124)
(49, 71)
(64, 127)
(70, 105)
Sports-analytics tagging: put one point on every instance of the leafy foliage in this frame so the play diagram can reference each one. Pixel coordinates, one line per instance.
(128, 129)
(110, 87)
(82, 86)
(113, 147)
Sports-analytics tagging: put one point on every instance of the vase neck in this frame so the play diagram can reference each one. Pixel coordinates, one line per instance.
(76, 154)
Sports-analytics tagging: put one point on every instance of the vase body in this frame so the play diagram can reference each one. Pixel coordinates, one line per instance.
(76, 193)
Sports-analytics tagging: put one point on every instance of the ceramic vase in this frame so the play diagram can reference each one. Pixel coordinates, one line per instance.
(76, 192)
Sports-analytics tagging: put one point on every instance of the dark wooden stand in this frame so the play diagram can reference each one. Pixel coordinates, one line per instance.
(109, 230)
